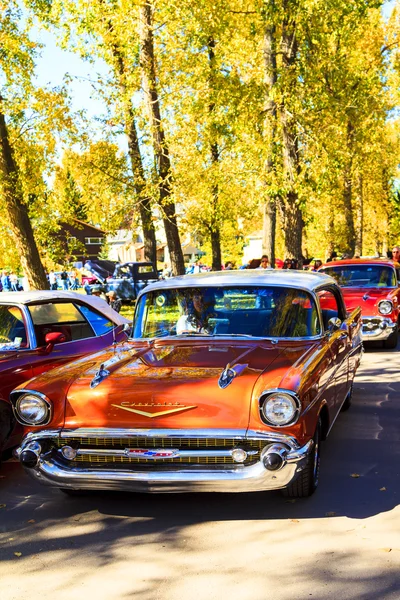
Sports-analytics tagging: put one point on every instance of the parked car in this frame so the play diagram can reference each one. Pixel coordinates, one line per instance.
(229, 383)
(126, 279)
(42, 330)
(100, 270)
(372, 284)
(130, 278)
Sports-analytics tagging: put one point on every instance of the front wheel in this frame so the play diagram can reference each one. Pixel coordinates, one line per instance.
(391, 342)
(347, 403)
(307, 482)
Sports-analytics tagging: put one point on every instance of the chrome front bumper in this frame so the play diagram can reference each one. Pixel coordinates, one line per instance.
(376, 328)
(52, 470)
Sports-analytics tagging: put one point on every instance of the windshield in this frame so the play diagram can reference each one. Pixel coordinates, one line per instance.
(362, 275)
(249, 311)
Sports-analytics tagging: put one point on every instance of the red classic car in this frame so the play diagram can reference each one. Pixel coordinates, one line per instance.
(229, 383)
(42, 330)
(372, 284)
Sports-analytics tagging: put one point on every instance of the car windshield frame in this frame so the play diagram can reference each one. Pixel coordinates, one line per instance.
(304, 297)
(334, 272)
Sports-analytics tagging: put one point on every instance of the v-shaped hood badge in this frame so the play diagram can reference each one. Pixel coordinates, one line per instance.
(174, 408)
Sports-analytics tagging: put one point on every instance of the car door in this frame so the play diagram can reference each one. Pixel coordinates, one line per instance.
(332, 307)
(85, 329)
(16, 354)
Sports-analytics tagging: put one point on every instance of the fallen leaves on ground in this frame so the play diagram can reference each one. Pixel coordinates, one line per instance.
(330, 514)
(382, 489)
(31, 521)
(18, 554)
(355, 475)
(3, 505)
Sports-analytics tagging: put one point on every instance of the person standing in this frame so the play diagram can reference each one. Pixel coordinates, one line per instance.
(396, 253)
(5, 282)
(114, 301)
(64, 280)
(14, 282)
(264, 263)
(53, 280)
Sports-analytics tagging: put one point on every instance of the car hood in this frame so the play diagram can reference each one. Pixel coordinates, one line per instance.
(367, 298)
(169, 385)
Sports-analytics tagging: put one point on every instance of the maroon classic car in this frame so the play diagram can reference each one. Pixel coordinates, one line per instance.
(230, 382)
(372, 284)
(43, 330)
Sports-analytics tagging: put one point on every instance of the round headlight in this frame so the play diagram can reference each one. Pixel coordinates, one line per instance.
(385, 307)
(32, 409)
(279, 408)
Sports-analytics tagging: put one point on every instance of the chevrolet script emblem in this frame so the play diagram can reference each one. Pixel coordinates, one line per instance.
(152, 410)
(151, 454)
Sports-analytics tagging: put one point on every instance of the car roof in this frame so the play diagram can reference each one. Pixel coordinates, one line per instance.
(304, 280)
(38, 296)
(362, 261)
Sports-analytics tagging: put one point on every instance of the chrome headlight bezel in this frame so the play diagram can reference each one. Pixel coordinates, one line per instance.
(42, 403)
(290, 400)
(389, 304)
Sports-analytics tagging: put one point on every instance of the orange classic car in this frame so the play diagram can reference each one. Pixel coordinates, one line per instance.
(230, 383)
(372, 284)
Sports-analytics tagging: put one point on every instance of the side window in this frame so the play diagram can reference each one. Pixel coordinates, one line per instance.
(13, 333)
(100, 323)
(61, 317)
(329, 307)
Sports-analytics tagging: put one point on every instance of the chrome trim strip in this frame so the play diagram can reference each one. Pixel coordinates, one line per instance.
(241, 435)
(235, 479)
(161, 433)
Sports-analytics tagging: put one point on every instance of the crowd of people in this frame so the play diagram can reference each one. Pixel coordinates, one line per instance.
(10, 282)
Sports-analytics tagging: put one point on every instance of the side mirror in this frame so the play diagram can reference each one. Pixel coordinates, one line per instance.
(52, 338)
(334, 324)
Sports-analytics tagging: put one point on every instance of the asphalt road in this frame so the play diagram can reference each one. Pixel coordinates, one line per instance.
(343, 543)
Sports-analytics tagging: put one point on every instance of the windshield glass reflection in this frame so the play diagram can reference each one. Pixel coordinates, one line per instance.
(242, 311)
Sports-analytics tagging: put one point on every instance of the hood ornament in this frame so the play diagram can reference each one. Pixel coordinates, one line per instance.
(101, 374)
(229, 374)
(365, 297)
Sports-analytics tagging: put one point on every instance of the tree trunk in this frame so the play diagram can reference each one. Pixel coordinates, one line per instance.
(145, 208)
(17, 212)
(215, 217)
(358, 249)
(348, 193)
(270, 123)
(292, 219)
(269, 228)
(147, 64)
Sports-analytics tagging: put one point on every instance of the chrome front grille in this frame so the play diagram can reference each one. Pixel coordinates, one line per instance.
(99, 450)
(159, 442)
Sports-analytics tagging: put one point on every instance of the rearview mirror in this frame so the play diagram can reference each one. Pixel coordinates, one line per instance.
(52, 338)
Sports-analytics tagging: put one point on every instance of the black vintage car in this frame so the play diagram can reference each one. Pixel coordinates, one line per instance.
(127, 279)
